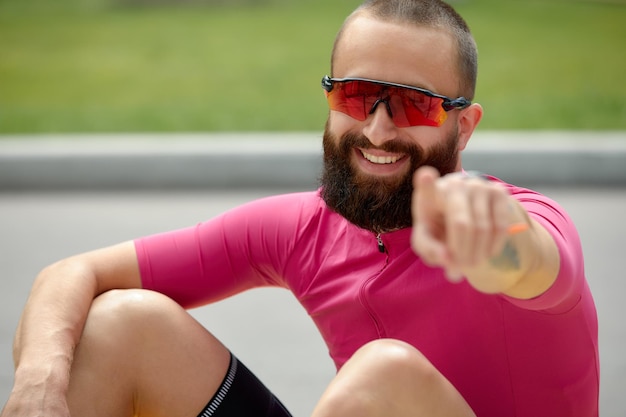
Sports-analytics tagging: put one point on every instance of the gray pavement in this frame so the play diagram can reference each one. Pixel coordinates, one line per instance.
(243, 160)
(267, 328)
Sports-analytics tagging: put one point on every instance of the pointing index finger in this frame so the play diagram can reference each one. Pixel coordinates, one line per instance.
(426, 194)
(425, 217)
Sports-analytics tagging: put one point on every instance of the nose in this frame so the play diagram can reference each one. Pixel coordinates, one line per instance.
(379, 127)
(382, 101)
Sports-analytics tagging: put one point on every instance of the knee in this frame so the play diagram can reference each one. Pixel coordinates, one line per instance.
(380, 377)
(131, 301)
(391, 359)
(130, 304)
(390, 377)
(392, 368)
(127, 314)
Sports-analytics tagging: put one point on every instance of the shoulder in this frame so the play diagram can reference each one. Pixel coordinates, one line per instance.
(539, 206)
(283, 217)
(282, 207)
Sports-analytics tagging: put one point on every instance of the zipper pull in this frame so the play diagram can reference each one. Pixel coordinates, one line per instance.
(381, 245)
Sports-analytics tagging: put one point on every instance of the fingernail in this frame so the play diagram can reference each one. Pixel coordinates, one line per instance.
(454, 276)
(517, 228)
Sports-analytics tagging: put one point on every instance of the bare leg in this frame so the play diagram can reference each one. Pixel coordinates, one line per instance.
(143, 355)
(389, 378)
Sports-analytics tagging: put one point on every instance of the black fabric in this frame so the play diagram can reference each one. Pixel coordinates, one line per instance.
(242, 394)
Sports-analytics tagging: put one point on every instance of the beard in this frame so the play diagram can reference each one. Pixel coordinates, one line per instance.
(378, 204)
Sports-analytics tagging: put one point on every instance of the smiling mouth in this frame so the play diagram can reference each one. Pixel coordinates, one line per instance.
(382, 160)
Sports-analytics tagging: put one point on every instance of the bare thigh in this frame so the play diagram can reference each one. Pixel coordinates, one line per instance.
(142, 354)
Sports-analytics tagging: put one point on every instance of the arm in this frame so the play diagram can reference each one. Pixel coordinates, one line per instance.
(464, 226)
(52, 323)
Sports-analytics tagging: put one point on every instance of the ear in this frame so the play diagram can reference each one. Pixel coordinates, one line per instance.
(468, 120)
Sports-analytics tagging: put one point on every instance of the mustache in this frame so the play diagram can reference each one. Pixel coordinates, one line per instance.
(355, 140)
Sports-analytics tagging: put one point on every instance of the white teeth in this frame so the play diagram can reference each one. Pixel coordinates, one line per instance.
(380, 159)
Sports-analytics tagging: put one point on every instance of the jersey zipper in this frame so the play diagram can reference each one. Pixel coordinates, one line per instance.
(363, 290)
(381, 244)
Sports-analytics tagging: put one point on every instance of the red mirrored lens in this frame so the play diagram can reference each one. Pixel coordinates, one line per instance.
(409, 107)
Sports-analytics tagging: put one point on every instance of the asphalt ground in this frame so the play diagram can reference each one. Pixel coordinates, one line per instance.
(266, 328)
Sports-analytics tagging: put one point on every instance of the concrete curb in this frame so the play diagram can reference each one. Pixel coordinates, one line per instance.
(251, 160)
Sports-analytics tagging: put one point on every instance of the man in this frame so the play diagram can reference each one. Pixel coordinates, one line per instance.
(439, 293)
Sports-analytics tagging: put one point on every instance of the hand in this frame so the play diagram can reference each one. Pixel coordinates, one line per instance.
(459, 222)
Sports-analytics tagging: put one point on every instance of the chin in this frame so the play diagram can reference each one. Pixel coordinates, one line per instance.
(386, 180)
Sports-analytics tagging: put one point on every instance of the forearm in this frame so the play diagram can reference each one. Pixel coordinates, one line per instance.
(525, 266)
(463, 225)
(51, 324)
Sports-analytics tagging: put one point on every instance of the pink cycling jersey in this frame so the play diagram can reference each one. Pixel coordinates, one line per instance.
(507, 357)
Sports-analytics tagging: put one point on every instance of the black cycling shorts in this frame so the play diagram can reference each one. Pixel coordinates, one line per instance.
(242, 394)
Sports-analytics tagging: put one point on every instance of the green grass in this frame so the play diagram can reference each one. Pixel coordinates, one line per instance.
(113, 66)
(551, 64)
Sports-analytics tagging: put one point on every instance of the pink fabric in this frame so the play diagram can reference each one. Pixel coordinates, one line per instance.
(507, 357)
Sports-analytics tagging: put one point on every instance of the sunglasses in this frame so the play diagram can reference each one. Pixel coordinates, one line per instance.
(406, 105)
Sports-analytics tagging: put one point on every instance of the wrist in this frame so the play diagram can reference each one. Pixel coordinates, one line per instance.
(51, 376)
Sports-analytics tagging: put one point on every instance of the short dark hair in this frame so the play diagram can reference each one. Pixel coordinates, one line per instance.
(428, 13)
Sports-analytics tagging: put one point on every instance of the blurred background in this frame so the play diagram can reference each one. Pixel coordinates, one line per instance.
(178, 101)
(255, 65)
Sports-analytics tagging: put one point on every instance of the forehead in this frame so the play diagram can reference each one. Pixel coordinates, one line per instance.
(397, 52)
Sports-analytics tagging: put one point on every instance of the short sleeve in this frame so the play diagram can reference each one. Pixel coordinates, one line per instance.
(244, 248)
(567, 289)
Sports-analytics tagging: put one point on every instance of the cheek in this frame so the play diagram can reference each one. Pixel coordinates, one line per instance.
(428, 137)
(340, 124)
(424, 136)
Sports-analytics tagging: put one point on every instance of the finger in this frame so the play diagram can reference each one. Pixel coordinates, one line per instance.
(481, 245)
(427, 225)
(501, 212)
(453, 273)
(459, 221)
(424, 193)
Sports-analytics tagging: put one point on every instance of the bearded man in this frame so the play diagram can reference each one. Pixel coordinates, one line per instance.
(438, 292)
